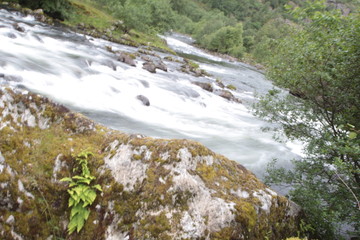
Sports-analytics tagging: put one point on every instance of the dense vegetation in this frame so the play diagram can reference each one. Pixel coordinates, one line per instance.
(320, 63)
(243, 28)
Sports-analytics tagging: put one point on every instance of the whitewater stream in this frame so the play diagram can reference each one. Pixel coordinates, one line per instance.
(79, 72)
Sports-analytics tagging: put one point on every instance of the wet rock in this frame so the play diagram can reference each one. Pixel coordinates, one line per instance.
(160, 65)
(192, 68)
(171, 59)
(146, 58)
(11, 35)
(151, 62)
(126, 58)
(227, 95)
(13, 78)
(143, 99)
(145, 83)
(109, 64)
(149, 66)
(220, 83)
(38, 11)
(206, 86)
(148, 52)
(18, 28)
(27, 11)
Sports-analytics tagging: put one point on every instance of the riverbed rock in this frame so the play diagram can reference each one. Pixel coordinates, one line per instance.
(206, 86)
(149, 66)
(227, 95)
(160, 65)
(193, 68)
(152, 188)
(18, 27)
(143, 99)
(39, 15)
(126, 58)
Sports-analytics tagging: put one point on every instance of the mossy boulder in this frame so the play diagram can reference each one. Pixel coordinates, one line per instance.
(152, 188)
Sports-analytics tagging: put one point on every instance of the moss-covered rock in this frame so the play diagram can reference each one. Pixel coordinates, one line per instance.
(152, 188)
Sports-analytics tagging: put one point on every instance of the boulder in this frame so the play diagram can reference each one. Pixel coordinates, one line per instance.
(126, 58)
(149, 66)
(220, 83)
(18, 28)
(38, 11)
(154, 61)
(143, 99)
(193, 68)
(206, 86)
(227, 95)
(152, 188)
(11, 35)
(160, 65)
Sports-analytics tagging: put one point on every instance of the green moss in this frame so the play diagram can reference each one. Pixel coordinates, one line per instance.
(126, 205)
(156, 227)
(225, 233)
(246, 214)
(231, 87)
(137, 157)
(207, 172)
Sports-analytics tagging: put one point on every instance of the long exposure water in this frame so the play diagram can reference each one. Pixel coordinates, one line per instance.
(79, 72)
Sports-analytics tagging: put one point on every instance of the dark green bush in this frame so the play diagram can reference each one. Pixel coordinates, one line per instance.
(59, 9)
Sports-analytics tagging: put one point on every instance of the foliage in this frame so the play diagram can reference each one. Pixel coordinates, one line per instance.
(82, 194)
(144, 16)
(265, 40)
(59, 9)
(219, 33)
(319, 63)
(90, 15)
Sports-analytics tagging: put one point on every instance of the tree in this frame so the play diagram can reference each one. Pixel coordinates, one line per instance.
(59, 9)
(320, 64)
(227, 39)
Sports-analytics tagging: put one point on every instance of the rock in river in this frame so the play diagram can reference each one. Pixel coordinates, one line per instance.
(143, 99)
(149, 66)
(126, 58)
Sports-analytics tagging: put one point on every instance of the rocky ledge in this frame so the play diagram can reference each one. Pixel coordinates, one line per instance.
(152, 188)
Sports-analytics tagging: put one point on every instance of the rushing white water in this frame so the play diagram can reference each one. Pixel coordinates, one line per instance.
(80, 73)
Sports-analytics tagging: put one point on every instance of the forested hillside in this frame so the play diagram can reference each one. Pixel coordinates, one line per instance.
(241, 28)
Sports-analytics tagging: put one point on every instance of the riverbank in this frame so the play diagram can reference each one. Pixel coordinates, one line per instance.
(89, 19)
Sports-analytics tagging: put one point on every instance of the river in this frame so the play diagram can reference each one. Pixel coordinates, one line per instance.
(79, 72)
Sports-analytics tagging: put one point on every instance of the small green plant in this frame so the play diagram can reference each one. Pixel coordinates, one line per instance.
(82, 194)
(231, 87)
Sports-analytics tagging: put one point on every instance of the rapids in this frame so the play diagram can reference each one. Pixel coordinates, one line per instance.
(78, 71)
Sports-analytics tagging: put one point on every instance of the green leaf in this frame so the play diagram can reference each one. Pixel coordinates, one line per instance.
(66, 179)
(98, 187)
(75, 210)
(81, 194)
(352, 135)
(79, 222)
(71, 202)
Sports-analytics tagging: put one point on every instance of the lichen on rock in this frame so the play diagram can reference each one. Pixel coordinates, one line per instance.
(152, 188)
